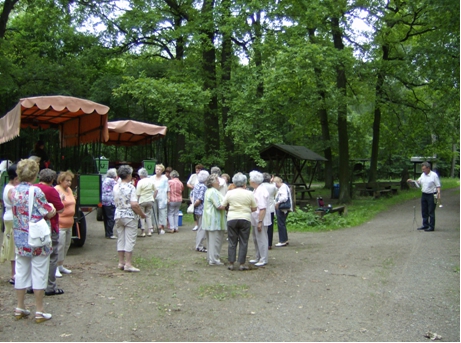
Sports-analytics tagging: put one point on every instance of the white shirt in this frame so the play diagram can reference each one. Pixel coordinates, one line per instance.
(192, 180)
(272, 189)
(429, 183)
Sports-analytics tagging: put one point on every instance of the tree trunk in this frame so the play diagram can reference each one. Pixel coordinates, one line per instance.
(323, 115)
(373, 173)
(8, 6)
(226, 67)
(343, 138)
(211, 121)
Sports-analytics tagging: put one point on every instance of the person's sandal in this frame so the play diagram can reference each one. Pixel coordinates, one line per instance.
(20, 313)
(243, 267)
(41, 317)
(230, 267)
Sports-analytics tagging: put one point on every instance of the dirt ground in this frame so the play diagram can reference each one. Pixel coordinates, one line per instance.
(382, 281)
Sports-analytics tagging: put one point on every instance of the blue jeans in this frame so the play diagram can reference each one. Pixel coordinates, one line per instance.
(281, 223)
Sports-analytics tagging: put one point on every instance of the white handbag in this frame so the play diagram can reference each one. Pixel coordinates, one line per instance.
(39, 232)
(190, 209)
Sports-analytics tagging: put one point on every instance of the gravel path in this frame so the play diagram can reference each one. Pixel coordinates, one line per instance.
(382, 281)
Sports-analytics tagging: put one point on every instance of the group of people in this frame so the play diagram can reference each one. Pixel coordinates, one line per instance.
(220, 207)
(35, 269)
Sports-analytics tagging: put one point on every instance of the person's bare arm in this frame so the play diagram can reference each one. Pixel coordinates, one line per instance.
(137, 209)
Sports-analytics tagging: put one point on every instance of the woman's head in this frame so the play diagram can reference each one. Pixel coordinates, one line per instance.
(239, 180)
(278, 181)
(47, 175)
(198, 168)
(226, 177)
(267, 177)
(142, 173)
(124, 172)
(174, 174)
(201, 177)
(215, 170)
(256, 177)
(112, 173)
(65, 178)
(159, 168)
(12, 172)
(27, 170)
(212, 181)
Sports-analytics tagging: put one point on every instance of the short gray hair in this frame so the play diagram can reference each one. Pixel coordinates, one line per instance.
(174, 174)
(215, 170)
(210, 180)
(267, 177)
(143, 172)
(112, 173)
(47, 175)
(201, 177)
(256, 177)
(124, 171)
(426, 164)
(239, 180)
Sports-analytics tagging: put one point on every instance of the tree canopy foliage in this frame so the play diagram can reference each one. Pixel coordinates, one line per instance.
(348, 79)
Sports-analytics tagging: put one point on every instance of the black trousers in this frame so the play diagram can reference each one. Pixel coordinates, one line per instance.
(428, 210)
(238, 232)
(108, 214)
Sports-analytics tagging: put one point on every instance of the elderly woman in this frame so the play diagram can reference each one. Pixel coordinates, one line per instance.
(260, 219)
(146, 192)
(222, 181)
(213, 219)
(126, 221)
(32, 264)
(7, 251)
(108, 204)
(283, 195)
(176, 188)
(66, 219)
(198, 196)
(272, 190)
(47, 177)
(162, 198)
(241, 203)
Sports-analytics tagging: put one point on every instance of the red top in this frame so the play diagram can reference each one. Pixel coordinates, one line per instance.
(52, 196)
(176, 188)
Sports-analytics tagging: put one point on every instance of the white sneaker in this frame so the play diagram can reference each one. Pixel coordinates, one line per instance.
(64, 270)
(195, 228)
(254, 261)
(58, 273)
(162, 232)
(260, 264)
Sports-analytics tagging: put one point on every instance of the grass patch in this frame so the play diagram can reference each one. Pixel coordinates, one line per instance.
(222, 292)
(153, 263)
(358, 212)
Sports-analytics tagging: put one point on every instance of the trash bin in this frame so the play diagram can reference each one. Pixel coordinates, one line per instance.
(335, 191)
(102, 164)
(150, 166)
(180, 219)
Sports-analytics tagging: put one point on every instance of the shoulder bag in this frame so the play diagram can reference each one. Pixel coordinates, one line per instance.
(39, 232)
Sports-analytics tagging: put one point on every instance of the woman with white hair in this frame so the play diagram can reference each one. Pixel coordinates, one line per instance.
(198, 196)
(146, 192)
(214, 220)
(260, 219)
(108, 204)
(241, 203)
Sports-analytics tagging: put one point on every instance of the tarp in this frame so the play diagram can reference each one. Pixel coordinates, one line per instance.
(131, 132)
(79, 121)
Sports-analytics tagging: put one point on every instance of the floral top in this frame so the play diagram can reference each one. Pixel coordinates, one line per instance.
(124, 194)
(213, 219)
(162, 189)
(107, 190)
(198, 193)
(40, 209)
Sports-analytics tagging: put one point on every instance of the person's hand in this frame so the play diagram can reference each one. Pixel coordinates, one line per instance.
(260, 224)
(277, 206)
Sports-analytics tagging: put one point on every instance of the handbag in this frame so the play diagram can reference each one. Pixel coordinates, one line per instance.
(39, 232)
(190, 209)
(286, 205)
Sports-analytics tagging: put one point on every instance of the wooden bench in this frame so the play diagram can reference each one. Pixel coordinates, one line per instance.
(339, 209)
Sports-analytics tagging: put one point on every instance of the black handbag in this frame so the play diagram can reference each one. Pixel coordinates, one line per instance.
(286, 205)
